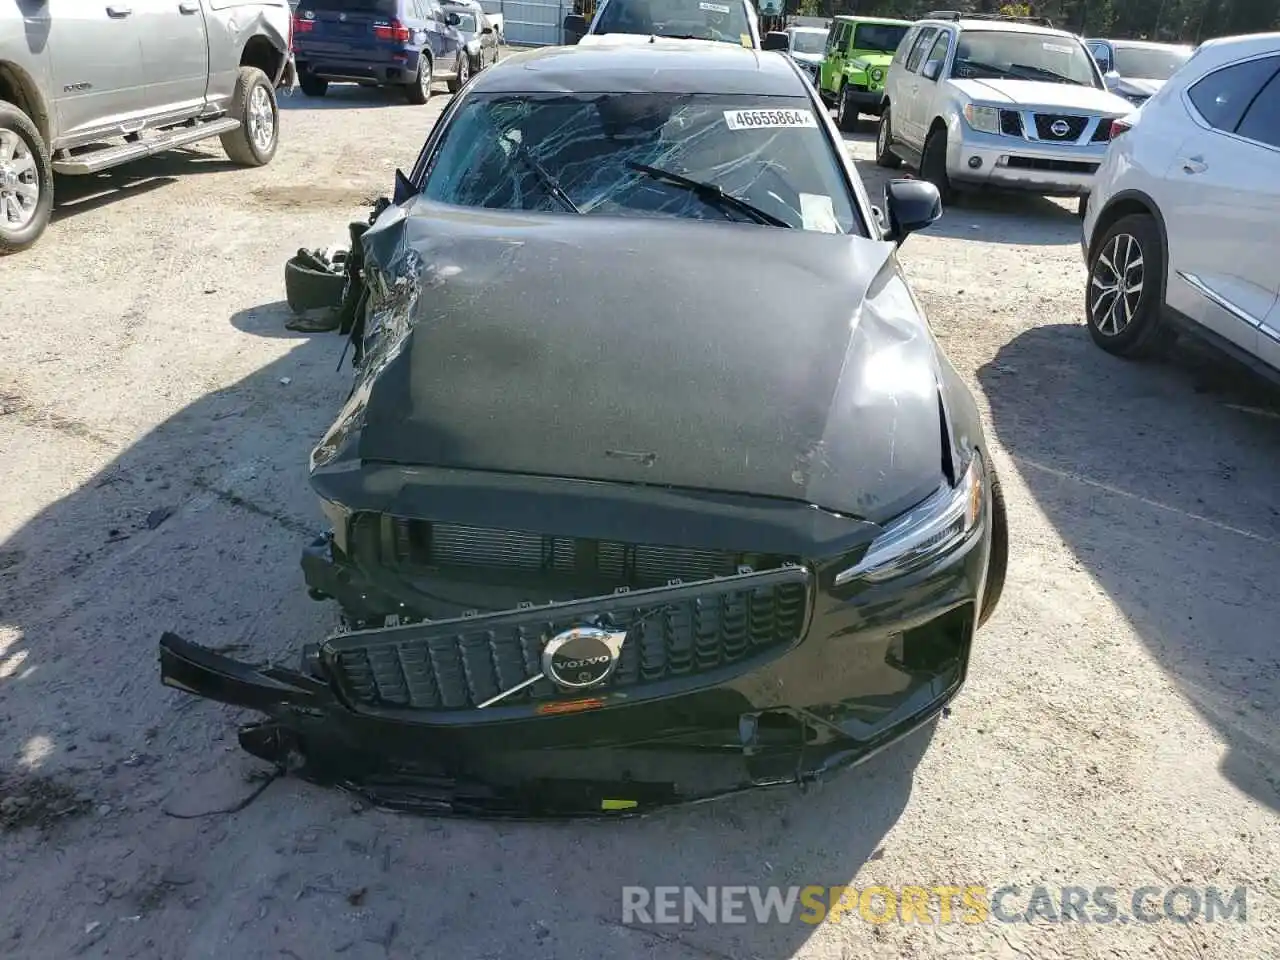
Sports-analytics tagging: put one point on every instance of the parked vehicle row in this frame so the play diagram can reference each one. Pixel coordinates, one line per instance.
(86, 90)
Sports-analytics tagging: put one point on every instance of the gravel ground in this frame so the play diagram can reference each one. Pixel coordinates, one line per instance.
(1119, 726)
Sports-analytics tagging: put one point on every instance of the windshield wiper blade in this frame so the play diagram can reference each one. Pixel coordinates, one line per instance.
(546, 179)
(712, 194)
(1051, 74)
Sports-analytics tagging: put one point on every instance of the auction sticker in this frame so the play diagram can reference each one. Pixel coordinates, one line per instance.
(765, 119)
(713, 7)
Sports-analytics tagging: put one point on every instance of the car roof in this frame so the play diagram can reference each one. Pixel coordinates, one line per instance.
(892, 21)
(660, 66)
(1245, 45)
(807, 30)
(1000, 26)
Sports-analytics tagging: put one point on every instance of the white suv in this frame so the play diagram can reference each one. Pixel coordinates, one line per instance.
(1183, 227)
(995, 102)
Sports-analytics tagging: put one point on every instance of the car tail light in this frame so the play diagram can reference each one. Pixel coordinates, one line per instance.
(301, 25)
(1120, 126)
(391, 30)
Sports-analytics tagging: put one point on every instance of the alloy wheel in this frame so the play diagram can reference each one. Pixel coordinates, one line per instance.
(882, 138)
(1115, 285)
(424, 77)
(262, 119)
(19, 182)
(464, 71)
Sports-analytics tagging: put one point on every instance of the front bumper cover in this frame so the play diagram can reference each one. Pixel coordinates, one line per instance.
(435, 770)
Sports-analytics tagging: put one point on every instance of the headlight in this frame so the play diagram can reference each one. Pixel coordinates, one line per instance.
(877, 74)
(925, 532)
(982, 119)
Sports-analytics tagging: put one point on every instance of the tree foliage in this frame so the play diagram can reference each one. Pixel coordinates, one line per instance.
(1189, 21)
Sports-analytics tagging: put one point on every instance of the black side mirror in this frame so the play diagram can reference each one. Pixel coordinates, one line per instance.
(404, 188)
(484, 30)
(575, 27)
(452, 19)
(910, 205)
(775, 40)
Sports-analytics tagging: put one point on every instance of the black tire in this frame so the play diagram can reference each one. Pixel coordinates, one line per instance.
(36, 171)
(846, 112)
(254, 142)
(418, 91)
(313, 86)
(998, 560)
(463, 74)
(885, 157)
(1127, 325)
(933, 164)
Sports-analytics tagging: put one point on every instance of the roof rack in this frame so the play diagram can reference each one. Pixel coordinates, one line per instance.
(958, 15)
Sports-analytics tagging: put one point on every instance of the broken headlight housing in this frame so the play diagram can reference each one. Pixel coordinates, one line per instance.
(929, 530)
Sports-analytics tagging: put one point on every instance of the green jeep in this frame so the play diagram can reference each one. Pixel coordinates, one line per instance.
(857, 58)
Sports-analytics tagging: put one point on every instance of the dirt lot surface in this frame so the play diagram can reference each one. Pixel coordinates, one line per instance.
(1119, 726)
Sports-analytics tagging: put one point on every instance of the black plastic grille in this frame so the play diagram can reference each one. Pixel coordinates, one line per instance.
(461, 550)
(1045, 122)
(1102, 133)
(1059, 166)
(673, 632)
(1011, 123)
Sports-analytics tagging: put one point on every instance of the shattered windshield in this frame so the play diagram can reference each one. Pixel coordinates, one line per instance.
(707, 157)
(694, 19)
(1005, 55)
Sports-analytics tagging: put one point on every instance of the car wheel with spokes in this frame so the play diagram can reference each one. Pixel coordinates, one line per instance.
(885, 157)
(1124, 296)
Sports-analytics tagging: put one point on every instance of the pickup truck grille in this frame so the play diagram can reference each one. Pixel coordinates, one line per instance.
(1074, 127)
(672, 632)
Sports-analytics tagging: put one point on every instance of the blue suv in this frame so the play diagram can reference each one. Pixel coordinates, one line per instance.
(404, 43)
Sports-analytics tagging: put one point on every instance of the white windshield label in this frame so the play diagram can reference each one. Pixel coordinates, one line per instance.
(762, 119)
(817, 213)
(714, 7)
(1058, 48)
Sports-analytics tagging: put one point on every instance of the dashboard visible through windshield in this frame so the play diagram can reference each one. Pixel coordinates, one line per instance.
(996, 55)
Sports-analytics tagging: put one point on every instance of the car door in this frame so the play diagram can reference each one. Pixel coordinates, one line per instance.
(932, 72)
(1260, 129)
(95, 56)
(175, 56)
(909, 111)
(444, 40)
(833, 59)
(1223, 203)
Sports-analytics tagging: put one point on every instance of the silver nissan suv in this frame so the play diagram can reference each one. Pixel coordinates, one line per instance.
(996, 102)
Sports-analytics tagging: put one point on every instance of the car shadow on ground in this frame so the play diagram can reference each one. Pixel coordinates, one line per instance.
(77, 194)
(344, 96)
(197, 528)
(1160, 477)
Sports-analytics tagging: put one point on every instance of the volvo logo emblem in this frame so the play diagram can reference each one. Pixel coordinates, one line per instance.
(1060, 128)
(582, 657)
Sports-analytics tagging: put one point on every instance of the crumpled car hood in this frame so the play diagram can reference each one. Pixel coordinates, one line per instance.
(1044, 93)
(698, 355)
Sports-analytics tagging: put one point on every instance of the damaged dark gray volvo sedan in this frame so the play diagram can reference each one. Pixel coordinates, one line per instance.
(654, 484)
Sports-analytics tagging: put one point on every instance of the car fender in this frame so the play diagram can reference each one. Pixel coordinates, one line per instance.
(1121, 204)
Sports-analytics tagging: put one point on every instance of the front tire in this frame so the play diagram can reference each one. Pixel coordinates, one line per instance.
(464, 74)
(1124, 296)
(846, 112)
(933, 164)
(254, 143)
(998, 561)
(419, 91)
(26, 181)
(313, 86)
(885, 157)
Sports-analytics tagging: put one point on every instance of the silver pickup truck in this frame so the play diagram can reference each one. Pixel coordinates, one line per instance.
(90, 84)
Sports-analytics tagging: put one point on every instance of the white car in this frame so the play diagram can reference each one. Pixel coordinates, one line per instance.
(992, 101)
(1182, 227)
(633, 22)
(1136, 69)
